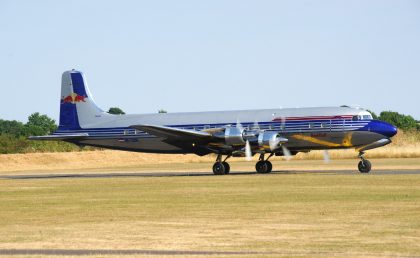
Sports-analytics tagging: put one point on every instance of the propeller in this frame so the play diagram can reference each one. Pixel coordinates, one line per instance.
(286, 153)
(256, 126)
(283, 122)
(274, 143)
(248, 151)
(239, 125)
(326, 156)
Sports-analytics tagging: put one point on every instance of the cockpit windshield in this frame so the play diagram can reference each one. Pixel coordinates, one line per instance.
(362, 117)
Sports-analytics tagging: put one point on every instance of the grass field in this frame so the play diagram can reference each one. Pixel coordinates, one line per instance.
(309, 214)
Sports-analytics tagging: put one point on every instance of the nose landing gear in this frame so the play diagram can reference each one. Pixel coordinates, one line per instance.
(364, 165)
(264, 166)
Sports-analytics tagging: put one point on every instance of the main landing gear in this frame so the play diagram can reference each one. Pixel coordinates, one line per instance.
(364, 165)
(221, 167)
(264, 166)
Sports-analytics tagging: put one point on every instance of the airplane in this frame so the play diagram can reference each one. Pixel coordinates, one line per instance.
(244, 133)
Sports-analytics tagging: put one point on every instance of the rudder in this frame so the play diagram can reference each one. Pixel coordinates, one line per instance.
(77, 108)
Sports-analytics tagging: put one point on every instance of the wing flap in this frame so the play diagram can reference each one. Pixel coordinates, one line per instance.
(172, 133)
(63, 137)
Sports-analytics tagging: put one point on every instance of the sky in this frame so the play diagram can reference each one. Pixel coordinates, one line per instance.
(184, 56)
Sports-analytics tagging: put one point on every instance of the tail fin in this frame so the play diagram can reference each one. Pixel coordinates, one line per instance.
(77, 107)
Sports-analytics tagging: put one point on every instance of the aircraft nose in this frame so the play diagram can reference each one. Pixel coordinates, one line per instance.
(392, 130)
(384, 128)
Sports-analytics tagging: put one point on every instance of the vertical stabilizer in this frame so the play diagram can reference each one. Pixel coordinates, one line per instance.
(77, 107)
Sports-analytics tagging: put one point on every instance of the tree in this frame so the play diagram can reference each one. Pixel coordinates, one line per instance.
(14, 128)
(399, 120)
(116, 111)
(40, 125)
(12, 144)
(162, 111)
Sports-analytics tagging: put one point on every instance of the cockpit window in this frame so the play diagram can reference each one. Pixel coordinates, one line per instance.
(362, 117)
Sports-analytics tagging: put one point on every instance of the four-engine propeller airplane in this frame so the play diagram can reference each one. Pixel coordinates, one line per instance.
(280, 132)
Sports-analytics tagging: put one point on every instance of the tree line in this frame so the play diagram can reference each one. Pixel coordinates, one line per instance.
(14, 134)
(401, 121)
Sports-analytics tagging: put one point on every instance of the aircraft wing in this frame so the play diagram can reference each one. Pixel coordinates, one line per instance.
(171, 133)
(78, 136)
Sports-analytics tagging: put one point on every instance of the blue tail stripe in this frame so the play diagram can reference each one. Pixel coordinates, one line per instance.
(68, 113)
(68, 117)
(78, 84)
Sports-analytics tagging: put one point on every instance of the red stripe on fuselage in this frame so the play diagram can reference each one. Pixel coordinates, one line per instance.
(280, 119)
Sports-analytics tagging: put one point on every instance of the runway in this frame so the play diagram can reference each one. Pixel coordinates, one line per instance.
(194, 174)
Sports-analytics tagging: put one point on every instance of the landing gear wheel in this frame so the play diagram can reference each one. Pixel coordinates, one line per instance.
(261, 167)
(219, 168)
(269, 166)
(364, 166)
(227, 167)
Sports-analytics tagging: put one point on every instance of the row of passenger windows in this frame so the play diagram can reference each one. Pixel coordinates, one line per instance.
(270, 126)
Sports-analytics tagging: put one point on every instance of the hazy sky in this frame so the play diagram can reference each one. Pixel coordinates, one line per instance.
(211, 55)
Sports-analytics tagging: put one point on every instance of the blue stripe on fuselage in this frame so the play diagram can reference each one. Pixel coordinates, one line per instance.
(289, 127)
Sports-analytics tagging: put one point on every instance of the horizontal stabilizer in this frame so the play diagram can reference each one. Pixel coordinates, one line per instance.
(172, 133)
(77, 136)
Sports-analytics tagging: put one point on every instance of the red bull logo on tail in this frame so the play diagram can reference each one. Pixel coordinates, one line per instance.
(73, 98)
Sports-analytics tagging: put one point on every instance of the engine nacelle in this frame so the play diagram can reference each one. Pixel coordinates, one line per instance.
(264, 140)
(234, 136)
(270, 141)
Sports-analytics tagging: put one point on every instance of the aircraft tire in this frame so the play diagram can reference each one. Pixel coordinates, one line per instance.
(261, 167)
(227, 167)
(269, 166)
(219, 168)
(364, 166)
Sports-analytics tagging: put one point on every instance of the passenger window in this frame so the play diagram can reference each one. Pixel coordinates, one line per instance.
(355, 118)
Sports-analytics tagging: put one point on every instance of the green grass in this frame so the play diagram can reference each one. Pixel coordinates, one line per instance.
(295, 214)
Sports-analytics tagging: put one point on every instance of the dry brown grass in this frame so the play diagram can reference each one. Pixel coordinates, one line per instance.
(115, 161)
(90, 160)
